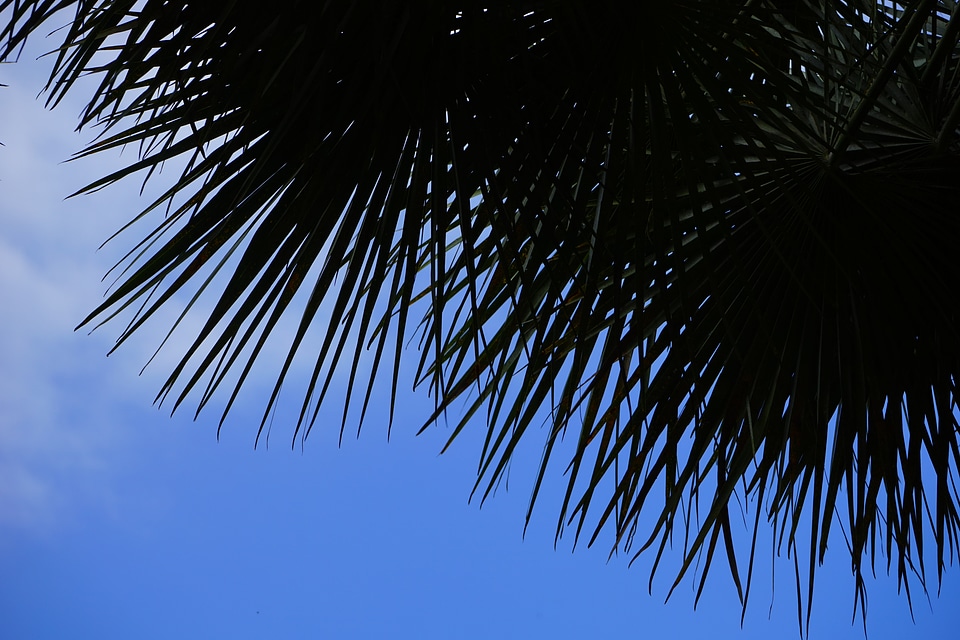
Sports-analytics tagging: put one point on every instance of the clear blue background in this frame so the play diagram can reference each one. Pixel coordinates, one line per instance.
(117, 521)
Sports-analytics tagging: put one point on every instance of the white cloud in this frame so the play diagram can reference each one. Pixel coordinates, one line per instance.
(58, 409)
(61, 401)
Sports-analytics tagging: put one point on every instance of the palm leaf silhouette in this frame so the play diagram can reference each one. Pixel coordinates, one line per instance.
(714, 239)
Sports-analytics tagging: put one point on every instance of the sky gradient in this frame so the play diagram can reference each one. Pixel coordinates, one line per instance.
(118, 521)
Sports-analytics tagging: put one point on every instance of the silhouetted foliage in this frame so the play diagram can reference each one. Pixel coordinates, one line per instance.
(715, 239)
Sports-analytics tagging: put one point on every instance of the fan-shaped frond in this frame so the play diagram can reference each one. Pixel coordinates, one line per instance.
(713, 239)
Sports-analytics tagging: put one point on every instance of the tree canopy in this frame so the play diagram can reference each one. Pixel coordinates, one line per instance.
(712, 241)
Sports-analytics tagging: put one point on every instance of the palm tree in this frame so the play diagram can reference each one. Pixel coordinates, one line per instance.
(712, 239)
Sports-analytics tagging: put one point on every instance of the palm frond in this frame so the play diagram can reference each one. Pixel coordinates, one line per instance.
(712, 239)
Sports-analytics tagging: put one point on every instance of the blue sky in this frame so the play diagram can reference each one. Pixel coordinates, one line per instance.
(118, 521)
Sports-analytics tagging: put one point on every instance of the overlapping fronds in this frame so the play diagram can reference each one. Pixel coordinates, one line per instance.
(713, 239)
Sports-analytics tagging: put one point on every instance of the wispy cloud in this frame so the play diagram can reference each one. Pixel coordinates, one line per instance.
(61, 415)
(58, 409)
